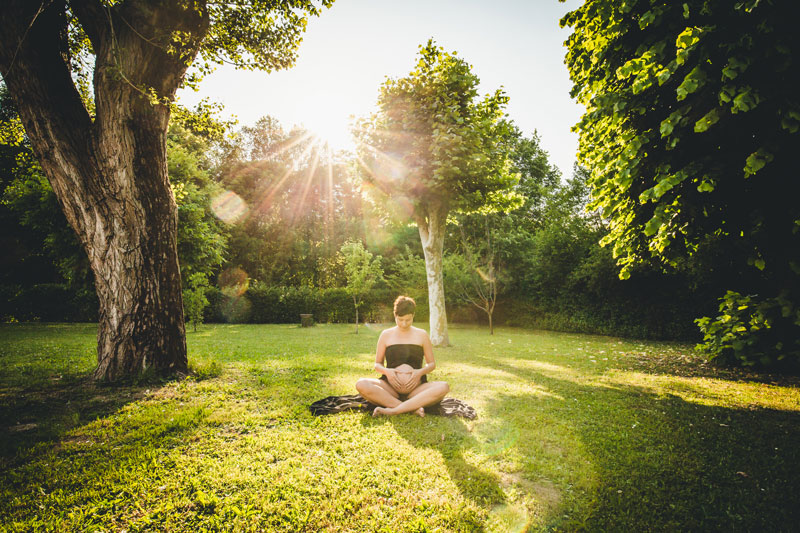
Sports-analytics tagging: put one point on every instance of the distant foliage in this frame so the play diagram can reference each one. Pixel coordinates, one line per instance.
(263, 304)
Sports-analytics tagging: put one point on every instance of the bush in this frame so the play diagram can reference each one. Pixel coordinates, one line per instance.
(753, 332)
(604, 318)
(48, 302)
(264, 304)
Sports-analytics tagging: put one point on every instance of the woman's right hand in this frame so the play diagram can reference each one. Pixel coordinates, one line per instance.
(398, 381)
(391, 377)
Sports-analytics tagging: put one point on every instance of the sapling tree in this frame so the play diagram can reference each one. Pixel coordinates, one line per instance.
(476, 269)
(195, 300)
(362, 270)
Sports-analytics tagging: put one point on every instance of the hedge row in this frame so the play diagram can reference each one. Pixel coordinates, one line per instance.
(261, 304)
(53, 302)
(47, 302)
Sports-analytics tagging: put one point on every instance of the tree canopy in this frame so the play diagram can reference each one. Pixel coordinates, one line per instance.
(691, 126)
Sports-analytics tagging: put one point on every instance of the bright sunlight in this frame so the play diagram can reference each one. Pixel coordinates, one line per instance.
(329, 124)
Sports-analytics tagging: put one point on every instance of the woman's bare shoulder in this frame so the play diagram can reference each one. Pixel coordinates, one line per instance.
(421, 334)
(387, 333)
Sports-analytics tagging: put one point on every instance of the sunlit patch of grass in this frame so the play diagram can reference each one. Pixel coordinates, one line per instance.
(574, 432)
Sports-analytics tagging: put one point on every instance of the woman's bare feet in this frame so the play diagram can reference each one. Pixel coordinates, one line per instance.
(385, 411)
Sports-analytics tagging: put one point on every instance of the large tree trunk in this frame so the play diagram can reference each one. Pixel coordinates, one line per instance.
(110, 174)
(432, 225)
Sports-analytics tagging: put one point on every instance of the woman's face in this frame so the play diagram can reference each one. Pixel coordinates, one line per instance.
(404, 321)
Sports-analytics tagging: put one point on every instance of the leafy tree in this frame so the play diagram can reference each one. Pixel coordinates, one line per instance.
(103, 148)
(435, 148)
(202, 238)
(362, 271)
(195, 300)
(537, 176)
(690, 132)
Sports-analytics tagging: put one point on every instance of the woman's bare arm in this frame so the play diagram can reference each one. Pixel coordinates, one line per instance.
(380, 355)
(430, 362)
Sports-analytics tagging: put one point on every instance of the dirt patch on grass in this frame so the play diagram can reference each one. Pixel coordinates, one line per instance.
(543, 491)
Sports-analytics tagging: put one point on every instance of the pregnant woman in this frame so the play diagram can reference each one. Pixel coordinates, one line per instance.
(404, 356)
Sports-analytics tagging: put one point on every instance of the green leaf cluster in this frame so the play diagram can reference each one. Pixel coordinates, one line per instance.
(691, 129)
(434, 138)
(753, 331)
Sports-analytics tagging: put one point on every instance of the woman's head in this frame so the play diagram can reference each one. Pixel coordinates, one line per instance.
(404, 305)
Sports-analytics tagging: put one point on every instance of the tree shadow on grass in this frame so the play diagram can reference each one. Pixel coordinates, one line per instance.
(659, 462)
(451, 438)
(47, 411)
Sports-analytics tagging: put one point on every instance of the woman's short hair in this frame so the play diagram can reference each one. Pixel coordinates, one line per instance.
(404, 305)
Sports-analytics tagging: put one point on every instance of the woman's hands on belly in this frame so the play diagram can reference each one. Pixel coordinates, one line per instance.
(406, 379)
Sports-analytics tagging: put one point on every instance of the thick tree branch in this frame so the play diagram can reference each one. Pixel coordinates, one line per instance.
(94, 19)
(59, 126)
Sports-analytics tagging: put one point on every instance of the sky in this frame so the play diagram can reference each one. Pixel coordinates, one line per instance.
(349, 50)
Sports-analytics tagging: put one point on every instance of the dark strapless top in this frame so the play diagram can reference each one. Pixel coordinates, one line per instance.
(404, 354)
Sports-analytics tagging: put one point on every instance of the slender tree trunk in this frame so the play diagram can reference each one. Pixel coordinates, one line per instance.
(110, 173)
(356, 306)
(431, 232)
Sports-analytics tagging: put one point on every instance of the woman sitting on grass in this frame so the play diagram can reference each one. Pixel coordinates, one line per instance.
(404, 386)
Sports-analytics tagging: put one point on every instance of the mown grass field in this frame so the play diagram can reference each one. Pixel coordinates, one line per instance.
(574, 433)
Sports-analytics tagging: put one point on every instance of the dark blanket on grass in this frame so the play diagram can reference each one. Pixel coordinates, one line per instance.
(336, 404)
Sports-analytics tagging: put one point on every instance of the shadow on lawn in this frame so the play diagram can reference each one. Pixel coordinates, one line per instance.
(451, 442)
(661, 463)
(45, 412)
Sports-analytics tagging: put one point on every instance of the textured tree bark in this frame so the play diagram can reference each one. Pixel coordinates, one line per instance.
(110, 173)
(432, 227)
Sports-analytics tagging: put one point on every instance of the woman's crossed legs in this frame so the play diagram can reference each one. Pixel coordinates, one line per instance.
(379, 392)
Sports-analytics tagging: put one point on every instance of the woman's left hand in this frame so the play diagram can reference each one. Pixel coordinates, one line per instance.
(414, 381)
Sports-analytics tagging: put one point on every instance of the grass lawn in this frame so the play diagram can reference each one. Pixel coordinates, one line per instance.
(574, 432)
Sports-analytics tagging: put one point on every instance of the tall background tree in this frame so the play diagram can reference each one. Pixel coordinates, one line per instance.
(104, 149)
(434, 147)
(690, 132)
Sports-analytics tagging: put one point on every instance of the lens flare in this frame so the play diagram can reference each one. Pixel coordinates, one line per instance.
(236, 310)
(229, 207)
(500, 440)
(235, 306)
(510, 517)
(234, 282)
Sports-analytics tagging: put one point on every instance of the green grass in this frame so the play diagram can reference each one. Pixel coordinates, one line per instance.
(574, 432)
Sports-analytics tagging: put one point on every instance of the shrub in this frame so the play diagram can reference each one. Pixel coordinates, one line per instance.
(264, 304)
(751, 331)
(48, 302)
